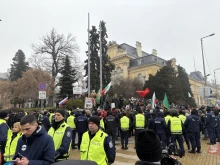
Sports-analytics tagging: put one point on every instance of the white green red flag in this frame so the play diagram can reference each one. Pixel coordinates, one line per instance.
(104, 91)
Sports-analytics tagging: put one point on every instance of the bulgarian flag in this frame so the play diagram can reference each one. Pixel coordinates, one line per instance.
(104, 91)
(154, 100)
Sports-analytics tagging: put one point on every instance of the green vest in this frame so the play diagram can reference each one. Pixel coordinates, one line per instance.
(94, 149)
(9, 133)
(102, 123)
(70, 122)
(58, 137)
(175, 125)
(50, 117)
(140, 121)
(10, 147)
(124, 123)
(183, 118)
(167, 118)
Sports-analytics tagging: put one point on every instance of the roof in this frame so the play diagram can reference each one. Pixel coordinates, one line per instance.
(131, 50)
(197, 75)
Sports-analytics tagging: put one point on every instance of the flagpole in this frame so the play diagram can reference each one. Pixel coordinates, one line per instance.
(88, 57)
(100, 56)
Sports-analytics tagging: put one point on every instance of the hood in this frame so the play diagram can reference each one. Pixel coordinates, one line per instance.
(38, 132)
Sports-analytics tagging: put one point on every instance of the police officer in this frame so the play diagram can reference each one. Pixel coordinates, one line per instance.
(111, 126)
(139, 122)
(81, 126)
(4, 131)
(124, 128)
(175, 127)
(97, 145)
(45, 121)
(210, 125)
(161, 128)
(61, 134)
(71, 122)
(183, 118)
(193, 127)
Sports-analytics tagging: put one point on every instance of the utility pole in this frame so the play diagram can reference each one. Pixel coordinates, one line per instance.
(100, 56)
(88, 56)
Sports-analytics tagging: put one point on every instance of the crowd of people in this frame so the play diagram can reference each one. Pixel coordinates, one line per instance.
(47, 137)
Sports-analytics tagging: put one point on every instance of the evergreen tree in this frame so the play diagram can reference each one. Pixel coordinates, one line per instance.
(19, 65)
(185, 86)
(165, 81)
(67, 79)
(94, 60)
(107, 65)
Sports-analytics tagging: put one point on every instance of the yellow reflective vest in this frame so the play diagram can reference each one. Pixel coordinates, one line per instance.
(51, 117)
(94, 149)
(140, 121)
(183, 118)
(70, 122)
(167, 118)
(58, 137)
(9, 133)
(10, 147)
(124, 121)
(175, 125)
(102, 124)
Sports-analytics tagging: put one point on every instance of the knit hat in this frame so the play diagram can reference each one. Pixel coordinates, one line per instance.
(3, 114)
(148, 146)
(61, 111)
(95, 119)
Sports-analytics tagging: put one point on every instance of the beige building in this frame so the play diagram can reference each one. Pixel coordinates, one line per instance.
(131, 62)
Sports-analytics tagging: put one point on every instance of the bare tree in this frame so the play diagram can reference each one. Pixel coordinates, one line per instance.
(52, 49)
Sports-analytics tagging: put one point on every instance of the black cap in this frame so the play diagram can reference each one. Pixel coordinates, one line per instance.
(95, 119)
(61, 111)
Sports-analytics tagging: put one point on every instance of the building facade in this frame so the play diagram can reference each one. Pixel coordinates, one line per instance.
(131, 62)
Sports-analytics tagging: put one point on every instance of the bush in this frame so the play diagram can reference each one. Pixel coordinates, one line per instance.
(74, 103)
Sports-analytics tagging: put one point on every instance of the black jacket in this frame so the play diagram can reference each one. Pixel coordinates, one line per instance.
(37, 148)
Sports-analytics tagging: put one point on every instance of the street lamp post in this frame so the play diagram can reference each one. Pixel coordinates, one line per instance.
(216, 84)
(203, 60)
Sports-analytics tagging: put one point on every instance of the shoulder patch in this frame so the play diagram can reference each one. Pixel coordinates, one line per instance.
(110, 144)
(68, 134)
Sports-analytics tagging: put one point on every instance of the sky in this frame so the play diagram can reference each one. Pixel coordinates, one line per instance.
(174, 28)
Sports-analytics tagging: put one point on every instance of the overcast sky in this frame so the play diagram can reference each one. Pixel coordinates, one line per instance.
(172, 27)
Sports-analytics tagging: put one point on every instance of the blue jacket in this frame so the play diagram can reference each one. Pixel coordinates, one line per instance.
(81, 123)
(210, 120)
(3, 132)
(193, 124)
(44, 120)
(217, 120)
(37, 148)
(160, 125)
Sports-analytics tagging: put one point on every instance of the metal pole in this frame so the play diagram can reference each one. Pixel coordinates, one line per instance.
(100, 57)
(88, 56)
(203, 68)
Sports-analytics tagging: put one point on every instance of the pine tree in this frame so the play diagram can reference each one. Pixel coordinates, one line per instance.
(185, 86)
(19, 65)
(67, 79)
(165, 81)
(94, 60)
(107, 65)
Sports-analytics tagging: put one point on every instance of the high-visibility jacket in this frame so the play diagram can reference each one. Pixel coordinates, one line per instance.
(167, 118)
(140, 121)
(58, 137)
(175, 125)
(102, 124)
(10, 147)
(70, 122)
(124, 121)
(9, 133)
(94, 149)
(183, 118)
(51, 117)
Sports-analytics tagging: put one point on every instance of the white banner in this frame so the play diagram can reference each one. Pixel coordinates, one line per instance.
(88, 103)
(207, 91)
(77, 90)
(42, 95)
